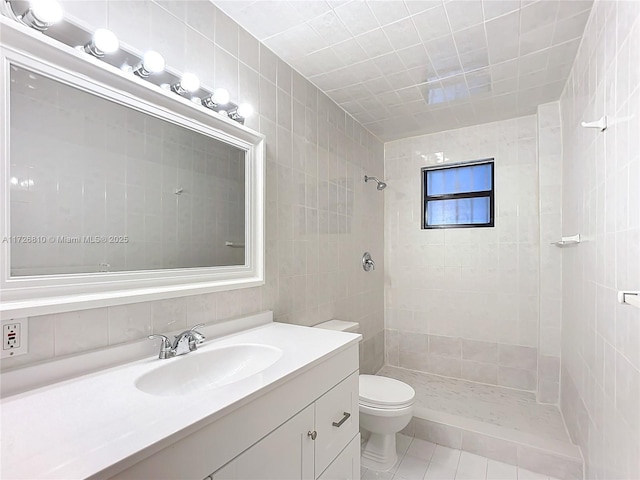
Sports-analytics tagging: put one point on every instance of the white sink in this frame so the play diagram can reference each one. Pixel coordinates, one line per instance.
(205, 370)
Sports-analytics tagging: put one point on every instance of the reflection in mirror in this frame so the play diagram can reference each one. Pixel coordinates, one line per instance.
(96, 186)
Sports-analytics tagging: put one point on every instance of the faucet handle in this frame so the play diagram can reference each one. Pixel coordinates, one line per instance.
(165, 348)
(200, 338)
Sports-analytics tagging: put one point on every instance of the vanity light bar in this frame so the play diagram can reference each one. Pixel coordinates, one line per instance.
(41, 14)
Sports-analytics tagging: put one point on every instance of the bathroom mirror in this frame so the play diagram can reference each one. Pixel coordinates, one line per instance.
(116, 190)
(96, 186)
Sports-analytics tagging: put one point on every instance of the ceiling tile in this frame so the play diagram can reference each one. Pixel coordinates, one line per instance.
(281, 17)
(423, 74)
(357, 17)
(508, 69)
(410, 94)
(389, 63)
(505, 86)
(408, 67)
(367, 70)
(330, 28)
(503, 35)
(335, 79)
(439, 48)
(432, 23)
(349, 51)
(470, 39)
(414, 56)
(570, 28)
(463, 14)
(538, 14)
(474, 60)
(446, 67)
(417, 6)
(351, 92)
(478, 78)
(537, 39)
(376, 86)
(402, 34)
(317, 62)
(400, 80)
(569, 9)
(388, 12)
(531, 79)
(310, 8)
(533, 62)
(374, 43)
(564, 53)
(295, 42)
(493, 8)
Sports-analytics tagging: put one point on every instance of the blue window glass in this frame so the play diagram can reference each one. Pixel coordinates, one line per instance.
(460, 195)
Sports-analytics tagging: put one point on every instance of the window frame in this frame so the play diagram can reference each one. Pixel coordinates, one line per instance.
(455, 196)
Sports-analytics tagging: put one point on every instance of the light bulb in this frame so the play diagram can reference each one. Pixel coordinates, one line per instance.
(153, 62)
(220, 96)
(47, 11)
(190, 82)
(105, 40)
(245, 110)
(42, 14)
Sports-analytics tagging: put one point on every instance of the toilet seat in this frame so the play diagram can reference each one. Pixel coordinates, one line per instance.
(385, 393)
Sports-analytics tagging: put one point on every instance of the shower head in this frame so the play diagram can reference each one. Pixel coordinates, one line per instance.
(381, 185)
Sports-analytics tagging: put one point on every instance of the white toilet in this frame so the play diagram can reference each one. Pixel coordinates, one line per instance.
(386, 407)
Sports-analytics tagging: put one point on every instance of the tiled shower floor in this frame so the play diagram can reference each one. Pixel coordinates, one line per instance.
(500, 406)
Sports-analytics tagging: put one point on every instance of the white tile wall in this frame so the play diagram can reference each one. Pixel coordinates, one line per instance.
(600, 386)
(320, 215)
(464, 302)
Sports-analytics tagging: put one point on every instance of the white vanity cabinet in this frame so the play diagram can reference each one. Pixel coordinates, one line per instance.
(286, 433)
(321, 441)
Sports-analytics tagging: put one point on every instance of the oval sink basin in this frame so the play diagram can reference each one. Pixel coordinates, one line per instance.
(198, 371)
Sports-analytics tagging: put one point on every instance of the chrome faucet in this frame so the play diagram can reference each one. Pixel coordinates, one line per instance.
(185, 342)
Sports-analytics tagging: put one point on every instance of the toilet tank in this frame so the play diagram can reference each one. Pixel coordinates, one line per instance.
(339, 325)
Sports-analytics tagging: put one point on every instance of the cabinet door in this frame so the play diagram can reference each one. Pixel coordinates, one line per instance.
(347, 465)
(334, 431)
(284, 454)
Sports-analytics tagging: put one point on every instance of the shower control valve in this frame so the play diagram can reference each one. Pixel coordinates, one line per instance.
(367, 262)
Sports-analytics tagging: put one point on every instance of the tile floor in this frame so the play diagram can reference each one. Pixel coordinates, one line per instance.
(422, 460)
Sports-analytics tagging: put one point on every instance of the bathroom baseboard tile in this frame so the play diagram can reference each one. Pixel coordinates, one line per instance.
(551, 457)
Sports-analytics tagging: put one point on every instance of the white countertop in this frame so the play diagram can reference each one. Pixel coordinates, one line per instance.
(79, 427)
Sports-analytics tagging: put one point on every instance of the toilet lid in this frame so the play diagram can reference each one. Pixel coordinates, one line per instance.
(384, 392)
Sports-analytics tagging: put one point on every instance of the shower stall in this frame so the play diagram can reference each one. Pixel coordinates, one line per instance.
(472, 315)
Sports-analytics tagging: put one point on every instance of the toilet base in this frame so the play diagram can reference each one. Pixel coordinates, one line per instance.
(380, 452)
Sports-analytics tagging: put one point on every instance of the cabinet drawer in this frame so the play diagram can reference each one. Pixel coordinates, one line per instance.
(337, 421)
(347, 465)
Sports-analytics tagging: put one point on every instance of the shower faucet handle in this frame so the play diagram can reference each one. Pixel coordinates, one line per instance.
(367, 262)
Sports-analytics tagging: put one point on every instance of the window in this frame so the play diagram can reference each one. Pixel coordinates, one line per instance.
(458, 195)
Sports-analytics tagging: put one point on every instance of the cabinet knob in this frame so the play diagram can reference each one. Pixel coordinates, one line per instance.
(313, 434)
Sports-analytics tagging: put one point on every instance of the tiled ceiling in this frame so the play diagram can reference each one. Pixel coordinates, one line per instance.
(408, 67)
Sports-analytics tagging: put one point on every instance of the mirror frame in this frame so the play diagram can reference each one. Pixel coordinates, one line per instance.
(47, 294)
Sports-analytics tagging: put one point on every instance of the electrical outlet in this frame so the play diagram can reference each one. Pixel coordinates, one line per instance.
(14, 337)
